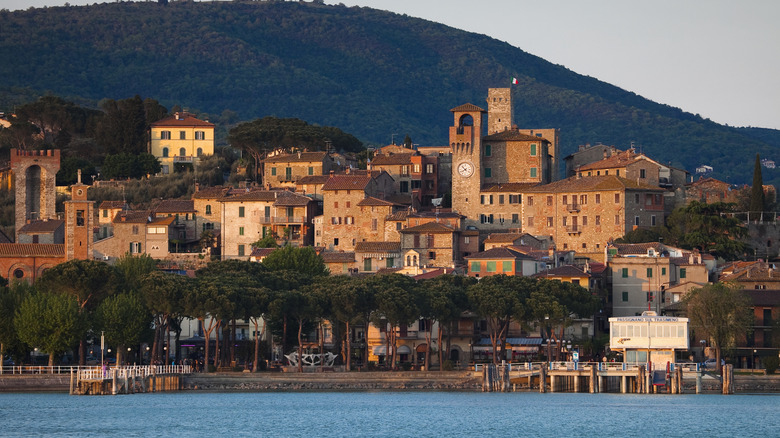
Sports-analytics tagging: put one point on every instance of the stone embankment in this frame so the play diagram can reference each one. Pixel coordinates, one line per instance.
(330, 381)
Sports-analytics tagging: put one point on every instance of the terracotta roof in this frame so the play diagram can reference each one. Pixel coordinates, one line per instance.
(42, 226)
(636, 248)
(390, 159)
(176, 206)
(110, 205)
(312, 179)
(260, 253)
(291, 199)
(499, 253)
(133, 216)
(442, 214)
(597, 268)
(467, 107)
(711, 181)
(592, 184)
(562, 271)
(167, 220)
(248, 195)
(400, 215)
(400, 199)
(303, 157)
(337, 257)
(378, 247)
(183, 120)
(381, 271)
(618, 159)
(503, 237)
(429, 227)
(432, 274)
(347, 182)
(32, 250)
(376, 202)
(210, 192)
(507, 187)
(512, 135)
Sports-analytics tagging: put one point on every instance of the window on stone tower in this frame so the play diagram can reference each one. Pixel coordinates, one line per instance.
(80, 218)
(488, 172)
(533, 172)
(533, 150)
(488, 150)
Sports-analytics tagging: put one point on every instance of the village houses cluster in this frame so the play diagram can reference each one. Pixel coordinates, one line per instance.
(512, 213)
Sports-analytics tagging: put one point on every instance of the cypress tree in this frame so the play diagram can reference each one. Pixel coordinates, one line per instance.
(757, 191)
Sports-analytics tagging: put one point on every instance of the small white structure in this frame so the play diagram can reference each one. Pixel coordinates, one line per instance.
(648, 338)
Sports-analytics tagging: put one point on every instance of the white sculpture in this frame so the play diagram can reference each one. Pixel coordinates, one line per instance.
(311, 360)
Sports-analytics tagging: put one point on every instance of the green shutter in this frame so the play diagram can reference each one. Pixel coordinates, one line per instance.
(533, 150)
(649, 272)
(490, 267)
(625, 272)
(474, 266)
(682, 272)
(507, 267)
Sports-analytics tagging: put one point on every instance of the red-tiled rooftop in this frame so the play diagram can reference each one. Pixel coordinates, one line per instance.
(499, 253)
(347, 182)
(176, 206)
(32, 250)
(337, 257)
(429, 227)
(182, 120)
(303, 157)
(41, 226)
(377, 247)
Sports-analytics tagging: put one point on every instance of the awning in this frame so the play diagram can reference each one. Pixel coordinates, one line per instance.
(404, 349)
(380, 350)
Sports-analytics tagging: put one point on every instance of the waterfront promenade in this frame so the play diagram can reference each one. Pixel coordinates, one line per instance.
(354, 381)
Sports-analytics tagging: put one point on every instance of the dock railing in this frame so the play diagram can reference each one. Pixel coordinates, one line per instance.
(600, 366)
(133, 371)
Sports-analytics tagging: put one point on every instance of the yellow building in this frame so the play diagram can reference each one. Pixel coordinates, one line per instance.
(181, 139)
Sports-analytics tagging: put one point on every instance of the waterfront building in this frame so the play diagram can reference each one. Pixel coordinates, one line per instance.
(648, 338)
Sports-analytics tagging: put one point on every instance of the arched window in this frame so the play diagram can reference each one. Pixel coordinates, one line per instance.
(408, 260)
(414, 260)
(208, 209)
(182, 152)
(200, 151)
(165, 152)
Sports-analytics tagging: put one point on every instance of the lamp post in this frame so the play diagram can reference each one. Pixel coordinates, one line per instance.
(102, 348)
(128, 354)
(754, 358)
(703, 343)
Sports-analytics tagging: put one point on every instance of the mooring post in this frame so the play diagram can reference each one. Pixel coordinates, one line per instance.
(543, 379)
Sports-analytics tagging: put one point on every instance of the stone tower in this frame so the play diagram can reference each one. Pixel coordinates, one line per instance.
(34, 178)
(466, 147)
(79, 213)
(499, 109)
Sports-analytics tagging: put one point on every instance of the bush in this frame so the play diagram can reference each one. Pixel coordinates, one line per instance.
(771, 363)
(448, 365)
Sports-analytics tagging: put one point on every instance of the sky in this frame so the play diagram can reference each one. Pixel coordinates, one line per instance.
(715, 58)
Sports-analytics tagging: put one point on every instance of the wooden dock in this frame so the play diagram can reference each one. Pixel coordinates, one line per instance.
(128, 380)
(595, 377)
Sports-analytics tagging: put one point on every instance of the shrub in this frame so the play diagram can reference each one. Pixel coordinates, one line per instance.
(771, 363)
(448, 365)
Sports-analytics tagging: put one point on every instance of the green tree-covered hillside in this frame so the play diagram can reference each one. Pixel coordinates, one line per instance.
(371, 73)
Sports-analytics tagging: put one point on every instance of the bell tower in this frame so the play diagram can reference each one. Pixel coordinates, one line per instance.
(35, 183)
(79, 213)
(466, 147)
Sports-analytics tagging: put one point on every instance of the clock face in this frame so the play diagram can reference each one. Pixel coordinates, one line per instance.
(465, 169)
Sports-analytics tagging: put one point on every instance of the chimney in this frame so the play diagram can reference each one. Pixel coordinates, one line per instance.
(197, 187)
(331, 173)
(78, 176)
(299, 155)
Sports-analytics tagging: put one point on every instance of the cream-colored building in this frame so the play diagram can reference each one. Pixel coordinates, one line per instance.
(648, 338)
(181, 139)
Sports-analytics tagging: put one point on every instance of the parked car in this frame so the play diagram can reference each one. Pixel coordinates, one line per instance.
(709, 364)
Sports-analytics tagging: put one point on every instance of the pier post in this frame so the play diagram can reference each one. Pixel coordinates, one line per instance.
(542, 379)
(552, 382)
(594, 383)
(113, 382)
(698, 382)
(576, 383)
(623, 384)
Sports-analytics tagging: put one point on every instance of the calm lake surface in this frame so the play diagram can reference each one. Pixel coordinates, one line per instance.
(389, 414)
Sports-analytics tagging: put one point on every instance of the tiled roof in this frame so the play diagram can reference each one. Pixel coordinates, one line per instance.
(637, 248)
(503, 237)
(347, 182)
(303, 157)
(376, 202)
(260, 253)
(183, 120)
(176, 206)
(592, 184)
(291, 199)
(377, 247)
(442, 214)
(430, 227)
(42, 226)
(337, 257)
(467, 107)
(248, 195)
(312, 179)
(110, 205)
(400, 199)
(133, 216)
(562, 271)
(210, 192)
(32, 250)
(512, 135)
(708, 181)
(391, 159)
(618, 159)
(167, 220)
(507, 187)
(398, 215)
(498, 253)
(433, 274)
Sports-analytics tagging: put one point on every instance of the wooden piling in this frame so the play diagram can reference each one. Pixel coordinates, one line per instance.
(543, 379)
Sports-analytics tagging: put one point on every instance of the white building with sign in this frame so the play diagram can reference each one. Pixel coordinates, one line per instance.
(648, 338)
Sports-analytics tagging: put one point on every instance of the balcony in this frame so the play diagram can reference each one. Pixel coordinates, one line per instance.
(574, 229)
(573, 207)
(183, 159)
(288, 219)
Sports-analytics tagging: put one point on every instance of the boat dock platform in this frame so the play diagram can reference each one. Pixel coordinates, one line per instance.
(128, 379)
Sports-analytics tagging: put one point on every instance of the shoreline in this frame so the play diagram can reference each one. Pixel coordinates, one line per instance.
(411, 381)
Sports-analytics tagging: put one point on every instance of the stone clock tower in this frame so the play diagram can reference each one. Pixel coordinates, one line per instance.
(79, 213)
(466, 146)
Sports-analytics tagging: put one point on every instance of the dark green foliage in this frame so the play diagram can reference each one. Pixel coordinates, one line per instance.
(771, 362)
(69, 168)
(707, 227)
(641, 235)
(302, 260)
(125, 165)
(366, 71)
(757, 203)
(49, 321)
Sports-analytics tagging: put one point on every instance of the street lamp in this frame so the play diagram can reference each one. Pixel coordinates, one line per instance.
(703, 343)
(754, 358)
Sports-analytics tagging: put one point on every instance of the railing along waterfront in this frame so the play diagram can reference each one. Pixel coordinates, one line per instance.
(97, 373)
(600, 366)
(136, 370)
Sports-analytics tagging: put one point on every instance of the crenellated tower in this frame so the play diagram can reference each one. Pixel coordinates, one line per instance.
(35, 182)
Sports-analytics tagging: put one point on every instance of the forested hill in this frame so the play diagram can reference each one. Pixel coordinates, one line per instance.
(371, 73)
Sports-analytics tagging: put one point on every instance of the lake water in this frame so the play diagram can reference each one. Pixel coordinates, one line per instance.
(389, 414)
